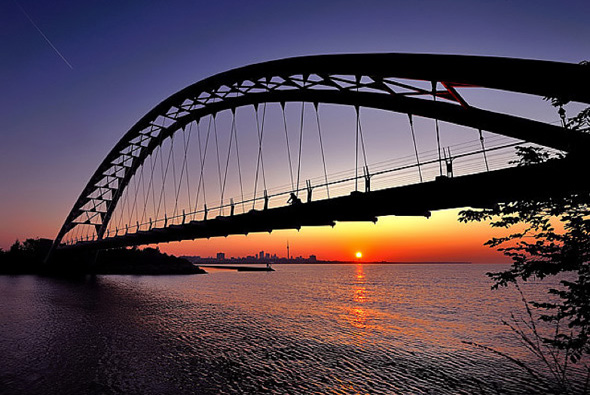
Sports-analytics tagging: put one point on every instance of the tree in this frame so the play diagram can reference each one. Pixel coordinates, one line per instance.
(548, 237)
(25, 257)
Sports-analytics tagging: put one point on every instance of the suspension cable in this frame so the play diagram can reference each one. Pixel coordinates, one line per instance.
(362, 140)
(261, 156)
(144, 194)
(231, 136)
(158, 153)
(184, 140)
(202, 155)
(131, 206)
(128, 204)
(300, 146)
(415, 146)
(438, 145)
(150, 188)
(483, 149)
(390, 170)
(218, 161)
(238, 155)
(356, 150)
(238, 158)
(141, 182)
(260, 160)
(288, 147)
(164, 175)
(258, 157)
(133, 210)
(173, 173)
(122, 206)
(317, 116)
(437, 129)
(188, 185)
(200, 170)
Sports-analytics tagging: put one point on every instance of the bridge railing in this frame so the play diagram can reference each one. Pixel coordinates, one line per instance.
(466, 158)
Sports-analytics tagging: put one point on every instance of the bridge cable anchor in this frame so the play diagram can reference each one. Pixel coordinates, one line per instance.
(367, 176)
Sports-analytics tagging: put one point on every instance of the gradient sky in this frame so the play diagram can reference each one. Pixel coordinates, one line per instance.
(77, 75)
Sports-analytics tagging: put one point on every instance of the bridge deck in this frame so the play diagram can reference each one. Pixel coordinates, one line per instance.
(478, 190)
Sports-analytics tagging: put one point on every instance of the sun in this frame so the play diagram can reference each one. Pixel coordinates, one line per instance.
(358, 255)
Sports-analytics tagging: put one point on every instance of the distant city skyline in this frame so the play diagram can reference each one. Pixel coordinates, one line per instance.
(259, 256)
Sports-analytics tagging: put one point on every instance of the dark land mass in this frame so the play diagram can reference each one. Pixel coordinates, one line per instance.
(145, 261)
(28, 258)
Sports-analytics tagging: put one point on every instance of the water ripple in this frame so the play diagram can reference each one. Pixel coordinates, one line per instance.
(334, 329)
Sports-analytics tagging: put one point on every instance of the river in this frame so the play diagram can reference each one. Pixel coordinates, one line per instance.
(303, 329)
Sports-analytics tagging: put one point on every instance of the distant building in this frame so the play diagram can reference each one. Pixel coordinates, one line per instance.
(259, 257)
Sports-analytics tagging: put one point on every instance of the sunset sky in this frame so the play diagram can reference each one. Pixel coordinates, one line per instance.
(75, 76)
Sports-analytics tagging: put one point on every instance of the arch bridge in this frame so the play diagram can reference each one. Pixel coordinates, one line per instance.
(309, 141)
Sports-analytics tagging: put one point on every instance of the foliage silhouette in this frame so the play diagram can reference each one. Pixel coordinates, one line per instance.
(28, 258)
(548, 237)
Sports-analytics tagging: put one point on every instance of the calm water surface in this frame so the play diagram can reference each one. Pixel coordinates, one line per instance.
(325, 329)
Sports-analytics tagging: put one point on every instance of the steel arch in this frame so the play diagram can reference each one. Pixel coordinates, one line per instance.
(361, 80)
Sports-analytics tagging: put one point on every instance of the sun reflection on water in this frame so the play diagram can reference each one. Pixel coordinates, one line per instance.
(358, 316)
(360, 290)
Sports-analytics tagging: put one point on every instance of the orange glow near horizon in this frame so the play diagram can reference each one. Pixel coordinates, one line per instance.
(440, 238)
(403, 239)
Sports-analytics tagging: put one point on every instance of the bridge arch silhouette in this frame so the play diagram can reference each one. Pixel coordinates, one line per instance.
(416, 85)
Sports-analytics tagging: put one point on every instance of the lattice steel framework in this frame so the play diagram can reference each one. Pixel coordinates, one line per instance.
(394, 82)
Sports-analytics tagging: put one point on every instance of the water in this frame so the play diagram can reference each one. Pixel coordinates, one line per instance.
(325, 329)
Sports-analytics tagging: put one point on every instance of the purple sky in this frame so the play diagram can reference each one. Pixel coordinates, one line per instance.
(58, 122)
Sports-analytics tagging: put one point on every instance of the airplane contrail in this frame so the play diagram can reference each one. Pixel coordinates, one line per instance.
(44, 36)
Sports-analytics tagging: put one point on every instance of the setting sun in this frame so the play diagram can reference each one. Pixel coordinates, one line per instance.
(359, 255)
